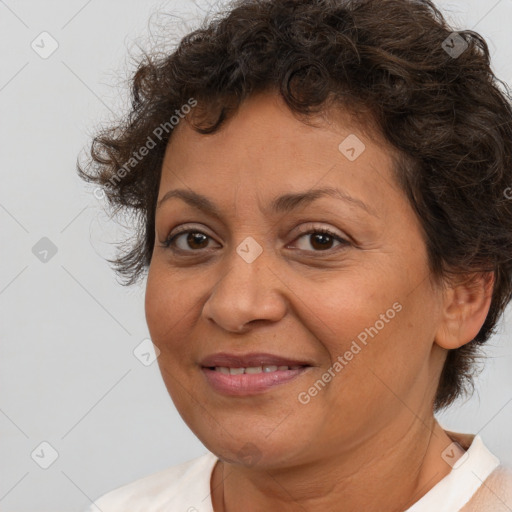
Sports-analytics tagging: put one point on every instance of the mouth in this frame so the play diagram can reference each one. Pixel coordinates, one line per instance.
(250, 374)
(253, 370)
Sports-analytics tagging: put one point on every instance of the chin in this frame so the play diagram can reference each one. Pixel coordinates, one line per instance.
(252, 450)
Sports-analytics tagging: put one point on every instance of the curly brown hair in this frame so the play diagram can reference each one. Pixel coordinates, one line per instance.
(429, 90)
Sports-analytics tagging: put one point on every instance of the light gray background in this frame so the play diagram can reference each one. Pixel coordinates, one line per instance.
(68, 375)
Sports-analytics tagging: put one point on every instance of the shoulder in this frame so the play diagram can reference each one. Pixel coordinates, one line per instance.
(495, 493)
(180, 486)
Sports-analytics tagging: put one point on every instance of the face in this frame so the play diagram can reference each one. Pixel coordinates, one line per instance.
(334, 287)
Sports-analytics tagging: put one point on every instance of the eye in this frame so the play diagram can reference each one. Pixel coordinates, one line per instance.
(194, 241)
(321, 239)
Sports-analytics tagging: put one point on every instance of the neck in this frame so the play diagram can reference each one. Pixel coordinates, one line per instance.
(408, 465)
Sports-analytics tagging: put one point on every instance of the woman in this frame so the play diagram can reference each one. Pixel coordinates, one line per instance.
(321, 189)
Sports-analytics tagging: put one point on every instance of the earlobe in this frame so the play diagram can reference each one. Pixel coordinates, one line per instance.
(466, 306)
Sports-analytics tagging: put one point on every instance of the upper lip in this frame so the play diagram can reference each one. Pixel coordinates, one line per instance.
(249, 360)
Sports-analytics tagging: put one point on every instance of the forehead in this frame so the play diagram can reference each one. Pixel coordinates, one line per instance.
(265, 147)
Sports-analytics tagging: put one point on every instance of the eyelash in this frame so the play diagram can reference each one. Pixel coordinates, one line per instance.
(170, 241)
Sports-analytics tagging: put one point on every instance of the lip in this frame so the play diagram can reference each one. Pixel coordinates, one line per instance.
(250, 384)
(250, 360)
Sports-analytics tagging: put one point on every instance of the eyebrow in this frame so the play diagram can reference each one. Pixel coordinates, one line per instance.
(281, 204)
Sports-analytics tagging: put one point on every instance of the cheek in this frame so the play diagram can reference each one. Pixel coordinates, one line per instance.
(173, 305)
(347, 308)
(154, 304)
(382, 328)
(168, 319)
(165, 303)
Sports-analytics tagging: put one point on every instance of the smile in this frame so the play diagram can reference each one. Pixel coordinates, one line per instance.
(251, 380)
(253, 369)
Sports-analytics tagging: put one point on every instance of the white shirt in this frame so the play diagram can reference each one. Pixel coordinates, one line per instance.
(477, 482)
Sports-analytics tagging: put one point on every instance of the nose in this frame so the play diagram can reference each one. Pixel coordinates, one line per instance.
(247, 293)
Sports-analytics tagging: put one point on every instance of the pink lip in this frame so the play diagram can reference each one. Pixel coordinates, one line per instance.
(249, 360)
(252, 383)
(249, 384)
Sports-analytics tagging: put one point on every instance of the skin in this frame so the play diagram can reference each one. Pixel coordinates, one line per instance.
(368, 440)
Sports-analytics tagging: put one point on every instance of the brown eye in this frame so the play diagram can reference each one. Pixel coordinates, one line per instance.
(193, 241)
(321, 239)
(196, 238)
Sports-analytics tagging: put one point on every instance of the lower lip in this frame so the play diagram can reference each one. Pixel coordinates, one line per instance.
(249, 383)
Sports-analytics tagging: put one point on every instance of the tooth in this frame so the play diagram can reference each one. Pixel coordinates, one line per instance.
(295, 367)
(282, 368)
(222, 369)
(253, 369)
(269, 368)
(236, 371)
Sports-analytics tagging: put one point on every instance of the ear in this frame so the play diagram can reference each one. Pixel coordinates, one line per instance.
(466, 305)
